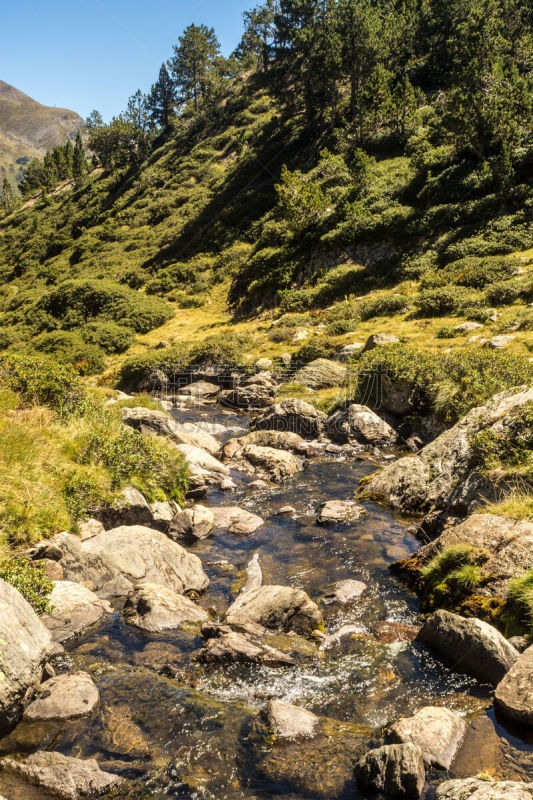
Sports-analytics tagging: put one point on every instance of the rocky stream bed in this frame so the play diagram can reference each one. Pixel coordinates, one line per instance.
(178, 714)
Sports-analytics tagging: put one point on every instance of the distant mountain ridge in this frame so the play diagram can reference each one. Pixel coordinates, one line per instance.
(28, 129)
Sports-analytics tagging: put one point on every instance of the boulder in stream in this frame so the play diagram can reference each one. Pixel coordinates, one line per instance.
(395, 769)
(514, 694)
(64, 697)
(267, 463)
(196, 522)
(359, 424)
(245, 646)
(154, 608)
(25, 646)
(344, 592)
(236, 521)
(336, 512)
(278, 608)
(484, 789)
(295, 416)
(75, 608)
(64, 777)
(471, 645)
(437, 731)
(290, 722)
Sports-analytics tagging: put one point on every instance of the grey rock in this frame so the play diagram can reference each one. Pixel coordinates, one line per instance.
(200, 389)
(395, 769)
(153, 608)
(321, 374)
(252, 396)
(520, 643)
(204, 469)
(64, 697)
(75, 608)
(378, 340)
(484, 789)
(295, 416)
(336, 512)
(26, 644)
(64, 777)
(89, 528)
(360, 424)
(499, 342)
(267, 463)
(196, 522)
(278, 608)
(471, 645)
(467, 327)
(226, 646)
(344, 637)
(254, 574)
(514, 695)
(443, 475)
(263, 364)
(437, 731)
(236, 520)
(115, 561)
(290, 722)
(344, 592)
(131, 508)
(158, 423)
(162, 514)
(279, 440)
(350, 350)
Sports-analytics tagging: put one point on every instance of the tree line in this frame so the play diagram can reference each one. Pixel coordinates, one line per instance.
(64, 162)
(352, 69)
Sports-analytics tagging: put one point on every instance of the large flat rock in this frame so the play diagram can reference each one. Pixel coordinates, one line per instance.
(514, 694)
(75, 608)
(64, 697)
(437, 731)
(64, 777)
(278, 608)
(157, 608)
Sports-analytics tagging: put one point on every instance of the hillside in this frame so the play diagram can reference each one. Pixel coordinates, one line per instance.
(28, 129)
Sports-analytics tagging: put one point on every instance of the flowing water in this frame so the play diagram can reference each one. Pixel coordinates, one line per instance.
(199, 734)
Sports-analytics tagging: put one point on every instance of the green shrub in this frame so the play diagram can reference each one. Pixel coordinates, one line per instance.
(504, 293)
(383, 306)
(472, 272)
(281, 333)
(445, 300)
(112, 338)
(29, 578)
(41, 381)
(69, 348)
(10, 335)
(447, 385)
(77, 302)
(318, 347)
(225, 349)
(131, 458)
(84, 492)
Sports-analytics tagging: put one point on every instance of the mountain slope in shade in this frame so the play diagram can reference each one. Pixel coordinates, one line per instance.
(28, 129)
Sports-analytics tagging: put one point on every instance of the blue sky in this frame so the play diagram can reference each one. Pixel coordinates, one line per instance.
(95, 54)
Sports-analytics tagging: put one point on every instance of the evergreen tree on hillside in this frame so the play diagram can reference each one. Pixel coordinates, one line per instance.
(258, 36)
(79, 162)
(94, 120)
(162, 99)
(137, 111)
(193, 59)
(6, 197)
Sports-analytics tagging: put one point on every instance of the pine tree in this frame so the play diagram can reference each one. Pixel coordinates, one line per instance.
(258, 36)
(69, 158)
(79, 162)
(137, 111)
(161, 102)
(194, 56)
(6, 198)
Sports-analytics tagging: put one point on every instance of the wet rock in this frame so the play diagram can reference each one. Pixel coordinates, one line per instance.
(360, 424)
(65, 777)
(227, 646)
(64, 697)
(236, 521)
(391, 632)
(443, 475)
(295, 416)
(276, 607)
(286, 511)
(507, 544)
(471, 645)
(437, 731)
(266, 463)
(514, 695)
(200, 389)
(344, 592)
(254, 574)
(192, 523)
(484, 789)
(131, 508)
(290, 722)
(25, 646)
(253, 396)
(378, 340)
(75, 608)
(89, 528)
(336, 512)
(396, 769)
(115, 561)
(259, 484)
(347, 638)
(279, 440)
(158, 423)
(321, 374)
(163, 514)
(153, 607)
(204, 469)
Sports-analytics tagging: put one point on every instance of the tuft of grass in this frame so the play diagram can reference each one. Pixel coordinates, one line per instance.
(520, 600)
(453, 575)
(516, 505)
